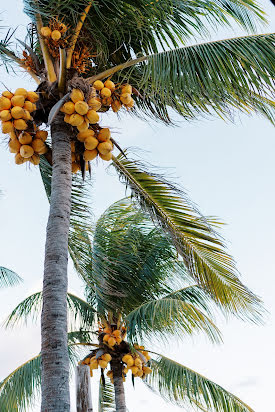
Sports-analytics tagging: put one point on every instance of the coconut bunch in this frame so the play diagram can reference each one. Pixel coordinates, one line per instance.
(95, 362)
(112, 336)
(111, 95)
(136, 362)
(28, 146)
(54, 36)
(16, 109)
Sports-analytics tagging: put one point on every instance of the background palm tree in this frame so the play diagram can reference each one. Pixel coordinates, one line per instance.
(124, 41)
(145, 287)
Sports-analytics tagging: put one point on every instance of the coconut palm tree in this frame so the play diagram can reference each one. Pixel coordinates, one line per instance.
(144, 292)
(142, 47)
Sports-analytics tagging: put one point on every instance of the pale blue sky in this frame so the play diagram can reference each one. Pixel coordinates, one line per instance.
(227, 169)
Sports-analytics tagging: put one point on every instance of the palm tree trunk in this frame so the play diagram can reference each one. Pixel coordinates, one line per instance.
(83, 389)
(54, 352)
(119, 386)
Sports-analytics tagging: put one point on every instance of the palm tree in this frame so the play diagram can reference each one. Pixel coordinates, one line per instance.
(71, 45)
(145, 288)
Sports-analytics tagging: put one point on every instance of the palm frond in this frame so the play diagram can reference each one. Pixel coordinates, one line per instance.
(169, 316)
(8, 277)
(106, 397)
(194, 237)
(81, 314)
(19, 389)
(183, 386)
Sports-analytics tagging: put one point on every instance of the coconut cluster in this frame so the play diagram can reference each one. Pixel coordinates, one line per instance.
(113, 337)
(136, 362)
(26, 141)
(111, 95)
(94, 362)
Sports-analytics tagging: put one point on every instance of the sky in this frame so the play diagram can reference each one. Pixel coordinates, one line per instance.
(228, 171)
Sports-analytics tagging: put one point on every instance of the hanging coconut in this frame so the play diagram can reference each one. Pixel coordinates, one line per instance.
(18, 101)
(35, 159)
(41, 134)
(20, 124)
(76, 119)
(105, 92)
(32, 97)
(94, 103)
(21, 92)
(110, 85)
(17, 112)
(106, 157)
(5, 103)
(25, 138)
(31, 107)
(98, 85)
(7, 127)
(46, 31)
(5, 115)
(68, 108)
(83, 135)
(105, 147)
(7, 94)
(26, 151)
(127, 88)
(77, 95)
(89, 155)
(125, 98)
(83, 126)
(92, 116)
(104, 134)
(90, 143)
(19, 160)
(14, 146)
(56, 35)
(81, 107)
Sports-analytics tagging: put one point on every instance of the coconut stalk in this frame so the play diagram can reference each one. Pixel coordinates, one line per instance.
(54, 349)
(83, 389)
(45, 52)
(76, 34)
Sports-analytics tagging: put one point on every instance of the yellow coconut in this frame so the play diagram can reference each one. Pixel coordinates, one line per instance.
(68, 108)
(90, 143)
(105, 147)
(105, 92)
(106, 157)
(75, 167)
(107, 357)
(21, 92)
(127, 88)
(67, 118)
(92, 116)
(93, 364)
(110, 85)
(41, 134)
(73, 147)
(25, 138)
(111, 341)
(138, 362)
(20, 124)
(46, 31)
(130, 362)
(7, 127)
(125, 370)
(77, 95)
(13, 135)
(14, 146)
(32, 97)
(118, 338)
(38, 146)
(98, 85)
(26, 151)
(89, 155)
(116, 106)
(19, 160)
(104, 134)
(35, 159)
(103, 364)
(31, 107)
(18, 100)
(125, 98)
(5, 103)
(131, 104)
(126, 358)
(17, 112)
(5, 115)
(83, 135)
(81, 107)
(7, 94)
(27, 115)
(116, 333)
(56, 35)
(94, 103)
(134, 370)
(83, 126)
(76, 119)
(147, 370)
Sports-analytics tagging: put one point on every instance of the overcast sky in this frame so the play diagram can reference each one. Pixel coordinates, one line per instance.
(228, 170)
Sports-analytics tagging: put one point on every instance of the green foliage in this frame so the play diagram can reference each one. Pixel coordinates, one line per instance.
(183, 386)
(193, 236)
(8, 277)
(106, 397)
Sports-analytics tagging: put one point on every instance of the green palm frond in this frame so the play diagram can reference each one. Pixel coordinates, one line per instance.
(106, 397)
(201, 249)
(169, 316)
(8, 277)
(80, 220)
(210, 78)
(81, 314)
(19, 389)
(115, 31)
(182, 386)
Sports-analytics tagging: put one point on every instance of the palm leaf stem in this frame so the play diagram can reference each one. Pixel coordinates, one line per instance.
(62, 70)
(16, 59)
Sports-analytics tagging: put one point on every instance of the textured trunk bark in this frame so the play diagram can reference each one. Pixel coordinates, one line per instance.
(119, 387)
(83, 389)
(54, 351)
